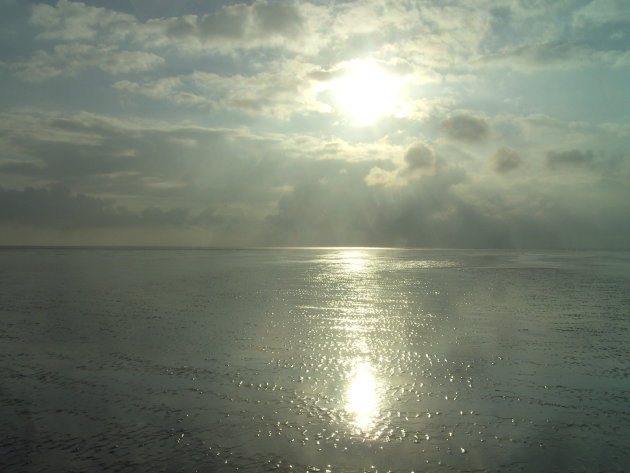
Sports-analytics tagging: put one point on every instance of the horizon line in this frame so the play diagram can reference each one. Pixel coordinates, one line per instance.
(298, 247)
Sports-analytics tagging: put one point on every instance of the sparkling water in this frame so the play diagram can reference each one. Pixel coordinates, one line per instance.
(295, 360)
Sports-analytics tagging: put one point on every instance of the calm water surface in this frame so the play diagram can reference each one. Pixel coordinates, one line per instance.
(341, 360)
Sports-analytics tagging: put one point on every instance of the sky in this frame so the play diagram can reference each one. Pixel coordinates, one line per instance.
(463, 124)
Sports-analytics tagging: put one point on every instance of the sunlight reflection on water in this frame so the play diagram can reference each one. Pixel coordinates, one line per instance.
(348, 360)
(362, 396)
(362, 393)
(353, 261)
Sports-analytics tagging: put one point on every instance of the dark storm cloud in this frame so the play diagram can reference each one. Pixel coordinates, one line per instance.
(572, 158)
(466, 128)
(505, 160)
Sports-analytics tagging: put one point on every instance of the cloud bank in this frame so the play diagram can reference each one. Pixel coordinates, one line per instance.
(221, 123)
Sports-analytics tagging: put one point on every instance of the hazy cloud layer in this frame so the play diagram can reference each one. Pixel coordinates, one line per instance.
(494, 124)
(58, 207)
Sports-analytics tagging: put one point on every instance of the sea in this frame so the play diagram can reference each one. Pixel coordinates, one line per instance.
(314, 360)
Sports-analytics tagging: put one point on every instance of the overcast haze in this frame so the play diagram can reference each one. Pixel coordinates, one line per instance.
(370, 123)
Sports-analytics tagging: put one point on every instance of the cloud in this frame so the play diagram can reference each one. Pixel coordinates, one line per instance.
(452, 35)
(556, 55)
(139, 160)
(572, 158)
(597, 13)
(420, 157)
(547, 132)
(71, 21)
(282, 166)
(240, 26)
(382, 177)
(418, 161)
(229, 28)
(466, 128)
(346, 211)
(284, 89)
(151, 161)
(70, 59)
(505, 160)
(280, 92)
(333, 148)
(223, 177)
(90, 171)
(21, 168)
(339, 32)
(58, 207)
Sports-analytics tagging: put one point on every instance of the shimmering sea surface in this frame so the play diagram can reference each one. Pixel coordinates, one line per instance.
(297, 360)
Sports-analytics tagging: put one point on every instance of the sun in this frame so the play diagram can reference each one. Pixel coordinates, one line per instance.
(366, 92)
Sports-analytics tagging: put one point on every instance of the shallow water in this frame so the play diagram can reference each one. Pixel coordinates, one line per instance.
(348, 360)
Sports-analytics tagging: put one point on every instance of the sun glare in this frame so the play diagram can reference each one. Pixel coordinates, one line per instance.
(362, 398)
(353, 261)
(367, 92)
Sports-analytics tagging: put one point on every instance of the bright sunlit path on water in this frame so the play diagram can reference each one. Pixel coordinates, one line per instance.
(362, 396)
(362, 392)
(353, 261)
